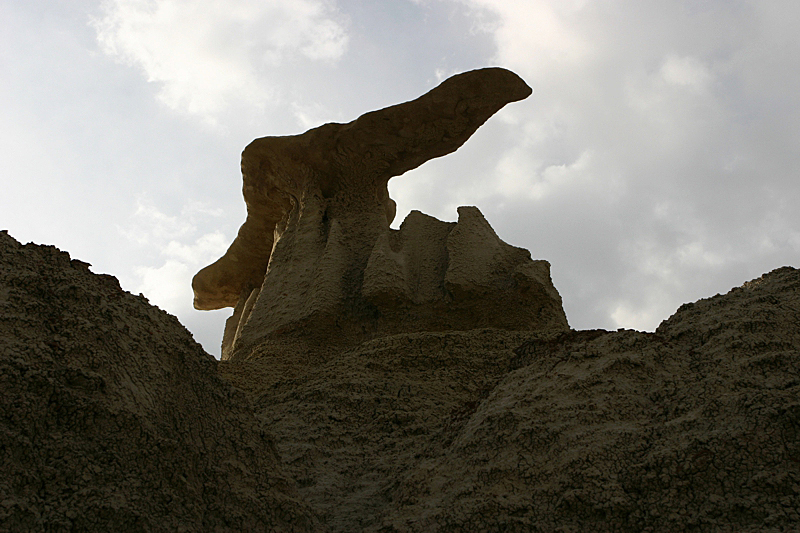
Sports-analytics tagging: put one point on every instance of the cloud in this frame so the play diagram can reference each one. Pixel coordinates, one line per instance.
(207, 55)
(165, 286)
(181, 249)
(169, 285)
(685, 71)
(169, 249)
(540, 34)
(310, 115)
(663, 131)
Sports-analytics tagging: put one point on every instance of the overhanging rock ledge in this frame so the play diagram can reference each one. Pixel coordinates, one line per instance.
(316, 258)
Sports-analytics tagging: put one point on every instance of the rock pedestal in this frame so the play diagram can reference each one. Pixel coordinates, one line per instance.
(427, 276)
(316, 258)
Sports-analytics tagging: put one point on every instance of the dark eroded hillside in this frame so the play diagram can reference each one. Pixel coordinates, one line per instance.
(114, 419)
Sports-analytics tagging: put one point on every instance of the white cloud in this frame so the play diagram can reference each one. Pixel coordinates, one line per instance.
(520, 175)
(538, 34)
(152, 226)
(207, 55)
(149, 226)
(165, 286)
(641, 318)
(181, 250)
(205, 249)
(686, 71)
(310, 115)
(662, 131)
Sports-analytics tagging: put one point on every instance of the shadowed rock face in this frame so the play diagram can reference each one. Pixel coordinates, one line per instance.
(114, 419)
(693, 428)
(316, 252)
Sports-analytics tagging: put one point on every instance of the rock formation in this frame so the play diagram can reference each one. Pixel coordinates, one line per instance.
(316, 257)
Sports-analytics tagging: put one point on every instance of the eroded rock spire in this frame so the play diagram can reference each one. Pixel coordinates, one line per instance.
(318, 205)
(350, 164)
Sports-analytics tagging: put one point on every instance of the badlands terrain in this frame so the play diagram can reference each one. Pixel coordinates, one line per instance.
(423, 379)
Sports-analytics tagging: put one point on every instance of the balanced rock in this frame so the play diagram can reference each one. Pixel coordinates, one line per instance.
(316, 257)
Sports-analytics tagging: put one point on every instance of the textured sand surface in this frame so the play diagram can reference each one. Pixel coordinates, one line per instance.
(693, 428)
(114, 419)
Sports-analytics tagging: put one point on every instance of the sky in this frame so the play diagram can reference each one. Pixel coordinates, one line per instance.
(655, 164)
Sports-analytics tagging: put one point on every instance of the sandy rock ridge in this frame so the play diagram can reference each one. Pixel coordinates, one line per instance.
(693, 428)
(114, 419)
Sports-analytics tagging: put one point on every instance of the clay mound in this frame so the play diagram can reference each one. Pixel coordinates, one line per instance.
(114, 418)
(694, 428)
(350, 425)
(760, 317)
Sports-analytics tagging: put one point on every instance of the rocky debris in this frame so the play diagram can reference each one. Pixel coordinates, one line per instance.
(693, 428)
(114, 419)
(319, 214)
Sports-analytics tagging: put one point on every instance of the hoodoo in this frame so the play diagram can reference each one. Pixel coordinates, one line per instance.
(316, 255)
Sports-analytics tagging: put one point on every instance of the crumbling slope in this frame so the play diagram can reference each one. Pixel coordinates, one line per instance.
(113, 418)
(693, 428)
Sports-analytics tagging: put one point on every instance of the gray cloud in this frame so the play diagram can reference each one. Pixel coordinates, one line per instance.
(658, 142)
